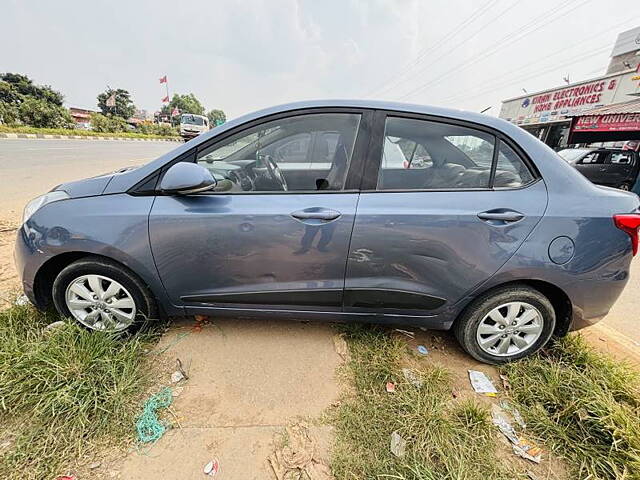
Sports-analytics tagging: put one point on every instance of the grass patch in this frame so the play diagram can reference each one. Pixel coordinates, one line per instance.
(79, 133)
(62, 391)
(584, 405)
(446, 439)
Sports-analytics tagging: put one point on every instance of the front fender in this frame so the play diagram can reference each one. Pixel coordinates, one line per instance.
(112, 226)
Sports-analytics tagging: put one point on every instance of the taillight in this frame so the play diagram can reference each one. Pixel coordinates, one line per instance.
(629, 223)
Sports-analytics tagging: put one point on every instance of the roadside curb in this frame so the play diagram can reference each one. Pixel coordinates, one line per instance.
(85, 137)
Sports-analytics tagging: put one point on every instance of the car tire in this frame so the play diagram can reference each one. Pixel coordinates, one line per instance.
(626, 186)
(530, 309)
(136, 304)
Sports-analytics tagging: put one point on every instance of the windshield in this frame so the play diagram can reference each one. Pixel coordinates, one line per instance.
(192, 120)
(571, 154)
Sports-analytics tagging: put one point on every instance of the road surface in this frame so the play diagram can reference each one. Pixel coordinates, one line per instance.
(29, 167)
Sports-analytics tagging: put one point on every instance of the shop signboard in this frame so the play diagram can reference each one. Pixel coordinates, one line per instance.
(619, 122)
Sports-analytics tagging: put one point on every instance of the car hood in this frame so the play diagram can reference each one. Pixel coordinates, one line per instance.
(88, 187)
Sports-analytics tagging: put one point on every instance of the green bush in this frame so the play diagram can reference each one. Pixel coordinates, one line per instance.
(149, 128)
(8, 113)
(39, 113)
(77, 133)
(108, 123)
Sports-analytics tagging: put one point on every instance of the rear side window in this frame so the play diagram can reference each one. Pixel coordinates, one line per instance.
(425, 155)
(511, 171)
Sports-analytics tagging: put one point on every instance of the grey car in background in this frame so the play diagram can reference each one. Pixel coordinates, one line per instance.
(341, 211)
(612, 167)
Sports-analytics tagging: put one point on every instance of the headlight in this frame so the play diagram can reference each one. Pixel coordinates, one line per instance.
(34, 205)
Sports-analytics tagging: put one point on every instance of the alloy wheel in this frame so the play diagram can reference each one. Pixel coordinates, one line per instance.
(510, 329)
(100, 303)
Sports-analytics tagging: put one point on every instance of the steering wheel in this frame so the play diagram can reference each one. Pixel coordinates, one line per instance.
(274, 171)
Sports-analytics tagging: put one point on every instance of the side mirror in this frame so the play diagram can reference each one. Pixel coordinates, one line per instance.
(187, 178)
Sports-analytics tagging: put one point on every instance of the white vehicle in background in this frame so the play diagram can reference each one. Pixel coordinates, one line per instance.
(192, 125)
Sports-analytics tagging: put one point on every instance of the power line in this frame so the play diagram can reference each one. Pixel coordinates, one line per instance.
(418, 58)
(467, 39)
(598, 50)
(518, 79)
(497, 46)
(581, 43)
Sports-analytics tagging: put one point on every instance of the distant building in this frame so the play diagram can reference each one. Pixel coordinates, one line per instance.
(548, 114)
(82, 117)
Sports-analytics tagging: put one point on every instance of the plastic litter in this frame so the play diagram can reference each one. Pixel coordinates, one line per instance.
(422, 350)
(22, 300)
(66, 477)
(411, 377)
(515, 413)
(177, 377)
(390, 387)
(94, 465)
(406, 333)
(298, 457)
(398, 445)
(481, 384)
(212, 467)
(148, 426)
(505, 382)
(53, 326)
(521, 446)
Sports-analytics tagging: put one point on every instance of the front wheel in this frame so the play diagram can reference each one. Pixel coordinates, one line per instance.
(102, 295)
(506, 324)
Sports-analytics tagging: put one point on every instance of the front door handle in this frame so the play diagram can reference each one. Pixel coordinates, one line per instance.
(501, 215)
(316, 213)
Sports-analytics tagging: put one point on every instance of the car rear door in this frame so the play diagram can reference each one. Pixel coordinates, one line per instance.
(420, 243)
(252, 245)
(618, 168)
(593, 166)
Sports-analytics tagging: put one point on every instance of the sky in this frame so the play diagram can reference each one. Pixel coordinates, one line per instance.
(243, 56)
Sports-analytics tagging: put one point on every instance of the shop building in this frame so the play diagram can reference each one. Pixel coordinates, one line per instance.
(549, 114)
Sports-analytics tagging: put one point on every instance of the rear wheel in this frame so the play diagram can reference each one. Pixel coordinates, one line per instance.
(103, 296)
(506, 324)
(625, 186)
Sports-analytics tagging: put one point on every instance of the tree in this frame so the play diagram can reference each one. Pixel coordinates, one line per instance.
(108, 123)
(124, 107)
(42, 114)
(185, 104)
(216, 117)
(24, 86)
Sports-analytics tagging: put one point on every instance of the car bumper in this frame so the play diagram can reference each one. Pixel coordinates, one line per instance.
(27, 262)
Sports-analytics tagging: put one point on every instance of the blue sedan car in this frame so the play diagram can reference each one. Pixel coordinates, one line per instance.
(341, 211)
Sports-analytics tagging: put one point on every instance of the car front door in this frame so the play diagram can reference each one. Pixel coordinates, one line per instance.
(427, 235)
(257, 242)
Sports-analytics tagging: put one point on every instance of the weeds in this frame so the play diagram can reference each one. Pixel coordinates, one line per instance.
(445, 440)
(62, 390)
(584, 405)
(81, 133)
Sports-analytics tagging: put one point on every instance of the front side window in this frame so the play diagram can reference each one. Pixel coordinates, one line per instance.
(425, 155)
(301, 153)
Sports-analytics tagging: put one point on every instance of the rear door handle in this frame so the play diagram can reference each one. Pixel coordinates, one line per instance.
(316, 213)
(501, 215)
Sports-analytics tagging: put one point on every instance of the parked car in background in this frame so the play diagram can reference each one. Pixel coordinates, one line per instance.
(605, 166)
(192, 125)
(488, 234)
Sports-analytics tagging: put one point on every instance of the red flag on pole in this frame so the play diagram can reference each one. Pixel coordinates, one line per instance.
(175, 112)
(165, 99)
(163, 79)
